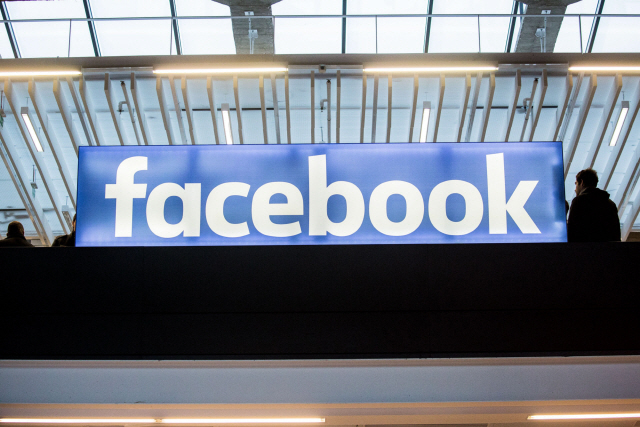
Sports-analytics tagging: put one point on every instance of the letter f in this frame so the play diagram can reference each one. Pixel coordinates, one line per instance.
(124, 191)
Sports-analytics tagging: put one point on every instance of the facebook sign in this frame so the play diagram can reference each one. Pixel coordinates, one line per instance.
(320, 194)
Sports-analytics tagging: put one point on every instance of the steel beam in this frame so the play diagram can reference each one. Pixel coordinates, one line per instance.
(528, 107)
(610, 106)
(137, 103)
(36, 157)
(286, 101)
(465, 105)
(108, 93)
(416, 85)
(374, 111)
(568, 87)
(329, 111)
(441, 89)
(263, 110)
(213, 109)
(474, 106)
(276, 107)
(338, 94)
(65, 113)
(364, 106)
(67, 178)
(187, 107)
(389, 106)
(612, 163)
(313, 107)
(236, 94)
(178, 109)
(513, 106)
(82, 88)
(584, 112)
(163, 109)
(92, 27)
(487, 105)
(544, 84)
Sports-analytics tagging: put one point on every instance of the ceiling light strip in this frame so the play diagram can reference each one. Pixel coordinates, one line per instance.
(429, 69)
(221, 70)
(78, 420)
(623, 115)
(39, 73)
(24, 112)
(161, 420)
(242, 420)
(583, 416)
(588, 68)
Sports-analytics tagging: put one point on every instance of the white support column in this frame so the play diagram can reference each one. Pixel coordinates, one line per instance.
(412, 122)
(465, 105)
(18, 175)
(67, 178)
(288, 109)
(364, 106)
(36, 157)
(130, 109)
(108, 93)
(513, 106)
(139, 107)
(374, 111)
(263, 109)
(623, 194)
(338, 94)
(212, 108)
(528, 106)
(584, 112)
(82, 87)
(614, 157)
(76, 102)
(544, 84)
(389, 106)
(187, 107)
(313, 107)
(441, 88)
(276, 107)
(163, 109)
(610, 106)
(560, 113)
(487, 105)
(63, 106)
(236, 94)
(631, 218)
(329, 111)
(177, 109)
(474, 106)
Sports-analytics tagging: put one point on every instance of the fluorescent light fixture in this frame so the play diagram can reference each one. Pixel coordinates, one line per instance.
(221, 70)
(604, 68)
(39, 73)
(241, 420)
(623, 115)
(226, 122)
(78, 420)
(24, 112)
(583, 416)
(427, 69)
(424, 127)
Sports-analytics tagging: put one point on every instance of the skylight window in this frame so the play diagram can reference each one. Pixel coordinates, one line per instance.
(205, 36)
(618, 34)
(569, 36)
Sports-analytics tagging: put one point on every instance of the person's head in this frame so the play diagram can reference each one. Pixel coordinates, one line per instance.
(15, 228)
(586, 178)
(73, 223)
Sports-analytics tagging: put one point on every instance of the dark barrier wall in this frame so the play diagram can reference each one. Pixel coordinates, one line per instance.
(320, 301)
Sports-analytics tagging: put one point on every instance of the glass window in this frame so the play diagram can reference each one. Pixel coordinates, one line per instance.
(386, 34)
(131, 37)
(50, 39)
(461, 34)
(205, 36)
(308, 35)
(569, 36)
(5, 44)
(618, 34)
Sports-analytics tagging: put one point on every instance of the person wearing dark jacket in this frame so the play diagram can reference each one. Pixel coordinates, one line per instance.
(593, 216)
(67, 239)
(15, 236)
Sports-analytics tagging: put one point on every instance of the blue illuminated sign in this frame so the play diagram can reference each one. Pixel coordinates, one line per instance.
(320, 194)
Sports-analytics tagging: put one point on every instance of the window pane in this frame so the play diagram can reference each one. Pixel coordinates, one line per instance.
(308, 35)
(144, 37)
(569, 36)
(5, 44)
(205, 36)
(393, 35)
(461, 34)
(619, 34)
(50, 39)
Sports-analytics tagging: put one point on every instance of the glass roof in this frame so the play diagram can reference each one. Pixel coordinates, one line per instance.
(67, 31)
